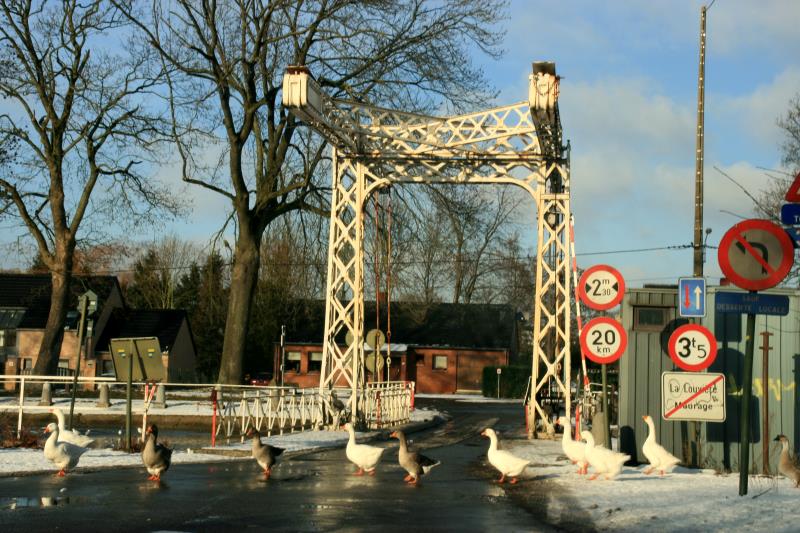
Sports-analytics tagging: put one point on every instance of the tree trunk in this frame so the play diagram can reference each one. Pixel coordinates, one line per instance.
(50, 349)
(244, 277)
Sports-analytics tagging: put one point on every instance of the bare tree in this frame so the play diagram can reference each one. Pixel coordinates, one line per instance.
(83, 132)
(229, 57)
(476, 222)
(790, 124)
(157, 272)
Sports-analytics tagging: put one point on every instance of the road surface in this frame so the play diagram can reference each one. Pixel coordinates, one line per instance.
(314, 492)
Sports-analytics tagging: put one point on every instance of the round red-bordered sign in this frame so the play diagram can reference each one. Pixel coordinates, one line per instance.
(755, 254)
(603, 340)
(692, 347)
(601, 287)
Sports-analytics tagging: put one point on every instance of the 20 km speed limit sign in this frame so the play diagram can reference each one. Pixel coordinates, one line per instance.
(692, 347)
(603, 340)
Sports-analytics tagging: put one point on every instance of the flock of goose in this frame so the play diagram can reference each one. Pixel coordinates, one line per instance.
(64, 449)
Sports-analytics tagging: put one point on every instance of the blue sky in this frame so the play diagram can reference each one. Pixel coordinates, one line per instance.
(628, 101)
(628, 105)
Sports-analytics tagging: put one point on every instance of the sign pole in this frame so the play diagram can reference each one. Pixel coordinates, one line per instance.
(747, 393)
(84, 303)
(765, 348)
(128, 416)
(606, 415)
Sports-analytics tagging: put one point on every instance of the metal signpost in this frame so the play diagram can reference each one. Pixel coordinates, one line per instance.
(692, 297)
(87, 304)
(603, 340)
(755, 255)
(697, 396)
(146, 351)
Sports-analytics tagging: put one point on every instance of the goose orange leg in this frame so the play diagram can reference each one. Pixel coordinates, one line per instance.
(359, 472)
(61, 473)
(514, 481)
(502, 478)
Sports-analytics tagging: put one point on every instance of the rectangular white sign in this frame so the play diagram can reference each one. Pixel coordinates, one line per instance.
(693, 396)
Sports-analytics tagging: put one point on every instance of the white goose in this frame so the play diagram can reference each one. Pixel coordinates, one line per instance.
(658, 457)
(70, 435)
(575, 450)
(505, 462)
(603, 460)
(364, 456)
(64, 455)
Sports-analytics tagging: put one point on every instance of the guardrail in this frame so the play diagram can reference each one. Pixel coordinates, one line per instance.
(388, 403)
(267, 409)
(233, 409)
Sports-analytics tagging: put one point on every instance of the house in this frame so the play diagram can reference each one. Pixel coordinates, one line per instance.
(170, 326)
(25, 304)
(442, 347)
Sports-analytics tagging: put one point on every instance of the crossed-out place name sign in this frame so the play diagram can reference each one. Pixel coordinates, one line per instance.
(693, 396)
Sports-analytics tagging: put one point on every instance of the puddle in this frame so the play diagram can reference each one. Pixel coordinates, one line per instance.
(36, 503)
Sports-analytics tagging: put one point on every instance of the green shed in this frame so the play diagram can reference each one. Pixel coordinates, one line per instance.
(649, 316)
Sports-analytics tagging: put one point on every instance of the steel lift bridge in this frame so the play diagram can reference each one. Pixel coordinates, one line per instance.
(518, 144)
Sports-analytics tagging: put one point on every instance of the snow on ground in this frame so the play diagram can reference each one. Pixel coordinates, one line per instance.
(22, 460)
(685, 500)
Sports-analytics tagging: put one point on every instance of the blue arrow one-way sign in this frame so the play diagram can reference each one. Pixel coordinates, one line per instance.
(692, 297)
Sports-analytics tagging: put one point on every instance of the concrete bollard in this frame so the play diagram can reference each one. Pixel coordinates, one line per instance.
(47, 396)
(161, 397)
(102, 400)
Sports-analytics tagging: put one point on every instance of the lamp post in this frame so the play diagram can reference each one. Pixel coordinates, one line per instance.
(87, 304)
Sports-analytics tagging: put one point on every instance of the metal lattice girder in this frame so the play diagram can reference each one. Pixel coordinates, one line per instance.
(375, 147)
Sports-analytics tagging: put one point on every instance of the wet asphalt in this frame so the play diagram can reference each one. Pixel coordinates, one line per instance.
(313, 492)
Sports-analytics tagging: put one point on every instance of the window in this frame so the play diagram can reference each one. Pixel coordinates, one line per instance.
(650, 318)
(108, 368)
(440, 362)
(420, 360)
(63, 368)
(26, 366)
(315, 362)
(292, 362)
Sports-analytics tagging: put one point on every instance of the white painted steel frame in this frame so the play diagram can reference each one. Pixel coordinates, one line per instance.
(375, 147)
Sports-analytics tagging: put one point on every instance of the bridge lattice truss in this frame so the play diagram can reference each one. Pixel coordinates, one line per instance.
(376, 147)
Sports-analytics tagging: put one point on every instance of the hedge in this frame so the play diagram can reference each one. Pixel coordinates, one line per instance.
(513, 381)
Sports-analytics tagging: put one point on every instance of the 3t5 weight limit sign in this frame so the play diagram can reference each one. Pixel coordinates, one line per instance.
(603, 340)
(756, 254)
(692, 347)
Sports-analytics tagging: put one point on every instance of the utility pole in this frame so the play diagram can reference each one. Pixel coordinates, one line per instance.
(698, 173)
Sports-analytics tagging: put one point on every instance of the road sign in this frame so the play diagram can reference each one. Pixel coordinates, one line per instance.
(601, 287)
(692, 297)
(794, 234)
(790, 214)
(692, 347)
(793, 194)
(756, 254)
(603, 340)
(693, 396)
(753, 303)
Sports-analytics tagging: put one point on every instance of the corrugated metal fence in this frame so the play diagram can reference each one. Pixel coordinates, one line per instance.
(710, 445)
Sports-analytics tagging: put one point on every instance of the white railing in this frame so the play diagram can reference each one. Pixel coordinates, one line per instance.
(267, 409)
(233, 409)
(388, 403)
